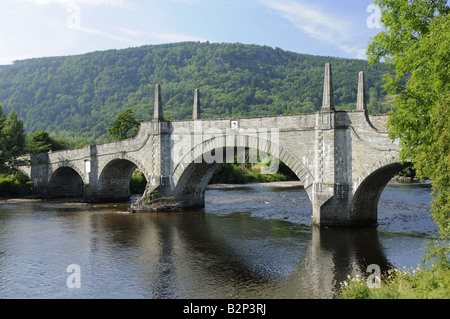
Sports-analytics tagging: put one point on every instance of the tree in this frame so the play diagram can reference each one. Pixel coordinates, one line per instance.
(77, 96)
(415, 42)
(124, 126)
(374, 106)
(41, 142)
(12, 141)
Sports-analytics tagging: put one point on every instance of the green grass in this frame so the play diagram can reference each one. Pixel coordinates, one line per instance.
(432, 283)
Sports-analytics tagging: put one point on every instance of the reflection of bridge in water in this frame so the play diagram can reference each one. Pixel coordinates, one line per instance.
(207, 256)
(325, 260)
(342, 159)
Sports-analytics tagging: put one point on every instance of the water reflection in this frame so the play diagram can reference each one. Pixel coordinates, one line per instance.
(221, 252)
(197, 255)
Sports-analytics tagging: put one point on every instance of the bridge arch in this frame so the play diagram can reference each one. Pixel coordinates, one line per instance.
(114, 178)
(66, 181)
(364, 205)
(192, 174)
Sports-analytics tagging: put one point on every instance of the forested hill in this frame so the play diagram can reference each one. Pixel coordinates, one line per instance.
(77, 96)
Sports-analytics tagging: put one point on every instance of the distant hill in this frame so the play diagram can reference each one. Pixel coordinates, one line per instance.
(77, 96)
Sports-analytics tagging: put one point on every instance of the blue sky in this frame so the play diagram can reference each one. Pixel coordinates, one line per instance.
(39, 28)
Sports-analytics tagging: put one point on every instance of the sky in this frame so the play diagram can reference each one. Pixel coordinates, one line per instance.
(43, 28)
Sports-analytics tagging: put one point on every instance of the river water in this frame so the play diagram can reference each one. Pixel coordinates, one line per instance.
(249, 242)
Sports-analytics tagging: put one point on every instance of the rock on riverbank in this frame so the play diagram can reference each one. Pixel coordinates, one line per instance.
(144, 205)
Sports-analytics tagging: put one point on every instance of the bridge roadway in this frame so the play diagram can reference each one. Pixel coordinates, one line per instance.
(343, 158)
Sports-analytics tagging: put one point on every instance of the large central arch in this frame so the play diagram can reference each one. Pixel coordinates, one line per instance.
(192, 175)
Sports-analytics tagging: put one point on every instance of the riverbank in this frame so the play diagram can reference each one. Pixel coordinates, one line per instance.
(217, 186)
(432, 283)
(4, 200)
(249, 185)
(393, 182)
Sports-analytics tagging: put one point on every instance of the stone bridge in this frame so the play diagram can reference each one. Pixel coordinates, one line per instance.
(343, 158)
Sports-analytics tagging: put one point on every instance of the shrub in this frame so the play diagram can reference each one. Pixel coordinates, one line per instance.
(431, 283)
(14, 185)
(138, 182)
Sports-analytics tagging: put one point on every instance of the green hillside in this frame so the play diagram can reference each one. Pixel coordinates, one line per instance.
(77, 96)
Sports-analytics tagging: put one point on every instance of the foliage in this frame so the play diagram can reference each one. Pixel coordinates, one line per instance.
(9, 186)
(409, 172)
(124, 126)
(14, 184)
(77, 96)
(228, 173)
(41, 142)
(354, 288)
(415, 42)
(138, 182)
(12, 141)
(433, 283)
(237, 173)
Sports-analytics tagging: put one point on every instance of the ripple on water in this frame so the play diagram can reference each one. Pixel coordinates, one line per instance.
(255, 242)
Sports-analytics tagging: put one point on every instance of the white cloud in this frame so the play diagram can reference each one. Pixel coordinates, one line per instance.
(317, 24)
(103, 34)
(163, 37)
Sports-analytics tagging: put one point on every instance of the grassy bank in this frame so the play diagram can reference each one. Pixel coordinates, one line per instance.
(432, 283)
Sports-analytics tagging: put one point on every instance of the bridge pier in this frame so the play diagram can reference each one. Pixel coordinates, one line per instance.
(331, 193)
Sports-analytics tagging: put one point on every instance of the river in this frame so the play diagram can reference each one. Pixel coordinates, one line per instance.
(254, 241)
